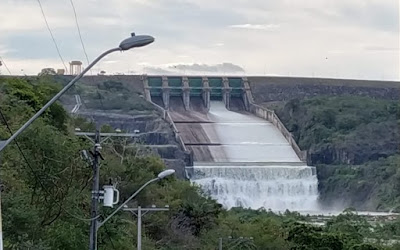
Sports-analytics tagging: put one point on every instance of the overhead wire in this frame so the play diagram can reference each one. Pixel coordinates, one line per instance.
(22, 152)
(52, 36)
(79, 31)
(37, 178)
(84, 49)
(5, 65)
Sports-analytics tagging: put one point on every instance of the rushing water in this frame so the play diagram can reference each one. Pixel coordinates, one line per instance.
(260, 169)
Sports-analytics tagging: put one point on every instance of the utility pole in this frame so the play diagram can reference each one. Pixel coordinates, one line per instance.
(95, 193)
(1, 222)
(139, 215)
(94, 223)
(139, 228)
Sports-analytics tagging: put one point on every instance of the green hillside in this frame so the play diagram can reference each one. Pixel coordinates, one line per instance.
(354, 142)
(46, 195)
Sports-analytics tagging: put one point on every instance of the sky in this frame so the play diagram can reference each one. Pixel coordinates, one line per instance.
(356, 39)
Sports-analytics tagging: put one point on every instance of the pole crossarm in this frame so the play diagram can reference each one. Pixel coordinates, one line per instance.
(150, 209)
(111, 134)
(139, 216)
(107, 136)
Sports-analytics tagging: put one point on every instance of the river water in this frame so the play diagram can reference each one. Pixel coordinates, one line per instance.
(259, 169)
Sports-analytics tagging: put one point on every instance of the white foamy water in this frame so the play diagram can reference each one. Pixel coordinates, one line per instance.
(245, 139)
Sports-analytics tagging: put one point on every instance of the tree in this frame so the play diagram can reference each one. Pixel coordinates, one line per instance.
(47, 71)
(311, 237)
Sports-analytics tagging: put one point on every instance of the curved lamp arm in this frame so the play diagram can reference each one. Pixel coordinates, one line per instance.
(55, 98)
(99, 224)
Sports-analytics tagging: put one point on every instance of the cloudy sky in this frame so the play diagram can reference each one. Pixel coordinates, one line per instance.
(328, 38)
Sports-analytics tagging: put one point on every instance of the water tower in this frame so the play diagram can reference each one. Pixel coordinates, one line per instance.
(75, 67)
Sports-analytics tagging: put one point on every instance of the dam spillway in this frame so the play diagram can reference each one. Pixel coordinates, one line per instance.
(239, 158)
(256, 167)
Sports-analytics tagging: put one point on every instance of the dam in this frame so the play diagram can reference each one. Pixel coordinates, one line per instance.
(241, 154)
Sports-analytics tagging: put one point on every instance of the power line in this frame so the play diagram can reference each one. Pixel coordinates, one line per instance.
(22, 153)
(5, 65)
(83, 46)
(52, 36)
(79, 31)
(38, 179)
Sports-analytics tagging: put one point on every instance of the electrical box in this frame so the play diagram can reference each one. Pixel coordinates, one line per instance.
(110, 196)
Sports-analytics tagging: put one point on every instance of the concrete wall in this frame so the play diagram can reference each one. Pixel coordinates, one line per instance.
(270, 116)
(167, 117)
(267, 89)
(134, 82)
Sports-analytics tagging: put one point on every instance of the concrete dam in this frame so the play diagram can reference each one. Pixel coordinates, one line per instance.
(241, 154)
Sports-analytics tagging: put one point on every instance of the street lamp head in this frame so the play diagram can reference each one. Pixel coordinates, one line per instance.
(165, 173)
(136, 41)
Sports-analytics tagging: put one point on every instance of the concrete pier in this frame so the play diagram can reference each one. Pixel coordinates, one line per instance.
(186, 92)
(223, 88)
(246, 95)
(165, 92)
(226, 92)
(206, 92)
(146, 88)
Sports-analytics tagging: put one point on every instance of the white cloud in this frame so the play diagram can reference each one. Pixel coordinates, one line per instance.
(30, 66)
(206, 68)
(26, 16)
(267, 27)
(359, 37)
(380, 48)
(109, 61)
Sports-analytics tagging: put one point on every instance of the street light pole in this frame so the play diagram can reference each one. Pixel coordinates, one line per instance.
(139, 228)
(129, 43)
(139, 215)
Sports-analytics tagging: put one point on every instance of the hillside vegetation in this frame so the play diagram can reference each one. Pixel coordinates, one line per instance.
(46, 195)
(106, 94)
(354, 142)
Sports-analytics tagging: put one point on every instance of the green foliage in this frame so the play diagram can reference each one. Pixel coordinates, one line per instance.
(371, 186)
(343, 129)
(311, 237)
(112, 95)
(82, 124)
(31, 96)
(363, 246)
(106, 129)
(46, 198)
(47, 71)
(353, 141)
